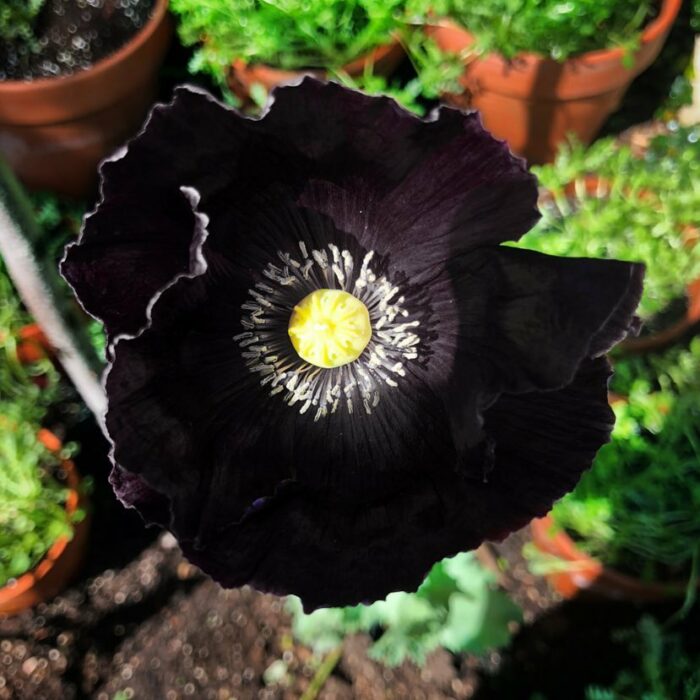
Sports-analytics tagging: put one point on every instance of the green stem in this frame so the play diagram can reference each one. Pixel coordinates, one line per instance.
(322, 673)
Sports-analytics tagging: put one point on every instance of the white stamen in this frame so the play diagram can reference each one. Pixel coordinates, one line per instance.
(266, 349)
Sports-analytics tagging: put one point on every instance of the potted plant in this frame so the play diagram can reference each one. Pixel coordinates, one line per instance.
(75, 82)
(631, 528)
(537, 71)
(253, 46)
(606, 202)
(43, 525)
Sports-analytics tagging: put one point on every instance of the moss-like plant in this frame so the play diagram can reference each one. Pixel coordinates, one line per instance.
(674, 370)
(550, 27)
(638, 507)
(457, 607)
(17, 18)
(605, 202)
(289, 34)
(32, 499)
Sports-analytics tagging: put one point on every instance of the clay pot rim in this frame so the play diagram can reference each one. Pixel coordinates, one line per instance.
(377, 53)
(74, 499)
(655, 28)
(9, 88)
(561, 545)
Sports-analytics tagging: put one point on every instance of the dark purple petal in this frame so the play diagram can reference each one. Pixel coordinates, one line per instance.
(187, 415)
(478, 402)
(134, 492)
(335, 553)
(379, 172)
(525, 322)
(143, 232)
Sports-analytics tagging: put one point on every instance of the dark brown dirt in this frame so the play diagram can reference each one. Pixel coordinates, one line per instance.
(71, 35)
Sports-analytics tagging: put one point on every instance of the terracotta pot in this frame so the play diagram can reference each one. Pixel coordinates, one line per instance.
(55, 131)
(60, 564)
(586, 574)
(243, 75)
(533, 102)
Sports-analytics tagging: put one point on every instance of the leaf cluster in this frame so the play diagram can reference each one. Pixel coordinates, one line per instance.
(289, 34)
(34, 384)
(17, 20)
(32, 500)
(674, 370)
(457, 607)
(605, 202)
(638, 508)
(664, 668)
(555, 28)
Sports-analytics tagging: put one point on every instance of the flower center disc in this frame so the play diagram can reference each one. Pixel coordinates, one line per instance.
(330, 328)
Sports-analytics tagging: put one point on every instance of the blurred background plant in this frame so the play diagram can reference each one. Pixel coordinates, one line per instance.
(606, 202)
(33, 511)
(457, 607)
(638, 508)
(17, 19)
(550, 27)
(27, 376)
(289, 34)
(664, 667)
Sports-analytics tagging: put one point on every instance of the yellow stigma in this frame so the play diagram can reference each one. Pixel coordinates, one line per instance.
(330, 328)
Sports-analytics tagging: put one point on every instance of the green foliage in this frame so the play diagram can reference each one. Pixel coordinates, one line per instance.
(289, 34)
(407, 95)
(32, 501)
(674, 370)
(638, 508)
(456, 606)
(664, 668)
(60, 221)
(638, 209)
(35, 383)
(17, 19)
(557, 28)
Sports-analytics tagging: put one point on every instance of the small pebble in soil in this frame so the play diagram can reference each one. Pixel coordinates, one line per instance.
(71, 35)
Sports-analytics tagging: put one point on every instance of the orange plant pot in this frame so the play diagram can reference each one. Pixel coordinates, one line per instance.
(55, 131)
(583, 573)
(63, 559)
(533, 102)
(242, 76)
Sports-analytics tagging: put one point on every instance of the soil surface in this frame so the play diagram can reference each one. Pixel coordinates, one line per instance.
(71, 35)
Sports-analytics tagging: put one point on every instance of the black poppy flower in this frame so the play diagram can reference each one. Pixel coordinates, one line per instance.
(326, 372)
